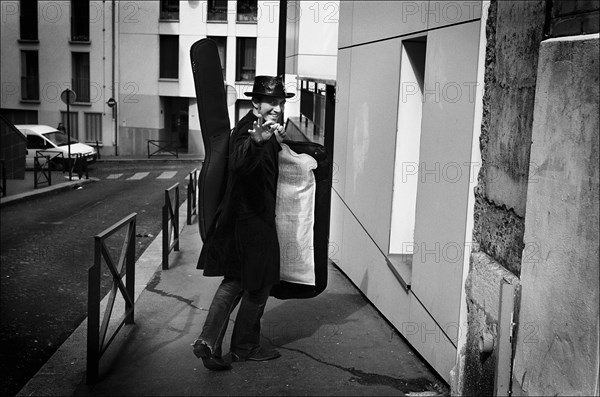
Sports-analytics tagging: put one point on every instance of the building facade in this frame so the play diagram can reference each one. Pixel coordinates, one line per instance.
(136, 53)
(48, 47)
(465, 185)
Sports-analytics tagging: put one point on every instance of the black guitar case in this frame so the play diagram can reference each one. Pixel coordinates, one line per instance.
(214, 124)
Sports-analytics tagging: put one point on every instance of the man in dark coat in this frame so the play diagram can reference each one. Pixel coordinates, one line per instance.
(241, 244)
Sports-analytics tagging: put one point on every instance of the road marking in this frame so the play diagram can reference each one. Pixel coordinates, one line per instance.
(114, 176)
(138, 176)
(167, 175)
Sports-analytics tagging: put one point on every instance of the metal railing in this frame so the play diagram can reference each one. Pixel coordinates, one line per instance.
(42, 171)
(78, 166)
(96, 332)
(162, 147)
(192, 194)
(317, 104)
(170, 224)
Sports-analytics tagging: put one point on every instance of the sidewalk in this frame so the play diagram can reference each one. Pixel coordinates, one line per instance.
(333, 344)
(23, 189)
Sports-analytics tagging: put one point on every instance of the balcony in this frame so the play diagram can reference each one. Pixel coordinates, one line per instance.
(317, 111)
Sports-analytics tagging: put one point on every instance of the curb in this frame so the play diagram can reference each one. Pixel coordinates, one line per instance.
(150, 160)
(45, 191)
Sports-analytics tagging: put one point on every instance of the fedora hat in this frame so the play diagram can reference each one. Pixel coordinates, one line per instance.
(269, 86)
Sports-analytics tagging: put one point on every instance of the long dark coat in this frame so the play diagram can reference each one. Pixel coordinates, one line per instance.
(242, 240)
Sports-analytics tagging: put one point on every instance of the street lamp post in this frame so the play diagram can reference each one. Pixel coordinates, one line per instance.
(68, 96)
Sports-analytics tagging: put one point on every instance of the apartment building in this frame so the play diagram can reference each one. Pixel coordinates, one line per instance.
(48, 47)
(135, 53)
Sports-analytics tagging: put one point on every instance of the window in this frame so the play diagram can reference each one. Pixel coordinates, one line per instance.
(217, 10)
(80, 20)
(247, 10)
(74, 127)
(169, 57)
(222, 47)
(93, 127)
(20, 116)
(246, 59)
(81, 76)
(29, 20)
(30, 86)
(242, 106)
(408, 138)
(35, 142)
(169, 9)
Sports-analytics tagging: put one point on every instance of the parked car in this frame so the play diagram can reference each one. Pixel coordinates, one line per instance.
(48, 139)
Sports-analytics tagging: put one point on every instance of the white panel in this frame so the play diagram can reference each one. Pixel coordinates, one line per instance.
(443, 13)
(371, 135)
(366, 266)
(446, 138)
(429, 339)
(340, 142)
(356, 255)
(376, 20)
(345, 24)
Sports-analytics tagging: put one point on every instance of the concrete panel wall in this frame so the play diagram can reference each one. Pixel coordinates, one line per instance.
(371, 135)
(384, 19)
(560, 283)
(368, 91)
(445, 154)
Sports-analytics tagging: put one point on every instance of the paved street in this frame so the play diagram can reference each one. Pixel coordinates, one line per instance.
(47, 248)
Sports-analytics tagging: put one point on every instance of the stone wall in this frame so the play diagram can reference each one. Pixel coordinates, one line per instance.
(514, 31)
(509, 172)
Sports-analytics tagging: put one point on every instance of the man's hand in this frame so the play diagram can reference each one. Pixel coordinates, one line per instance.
(260, 131)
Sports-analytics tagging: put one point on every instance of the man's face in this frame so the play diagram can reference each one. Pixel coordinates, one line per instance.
(270, 108)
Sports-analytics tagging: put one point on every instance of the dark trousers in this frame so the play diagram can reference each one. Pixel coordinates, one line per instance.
(246, 330)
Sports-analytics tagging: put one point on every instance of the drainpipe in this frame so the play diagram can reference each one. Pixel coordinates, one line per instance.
(281, 38)
(114, 85)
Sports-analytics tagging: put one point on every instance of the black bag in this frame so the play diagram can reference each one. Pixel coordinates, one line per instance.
(214, 123)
